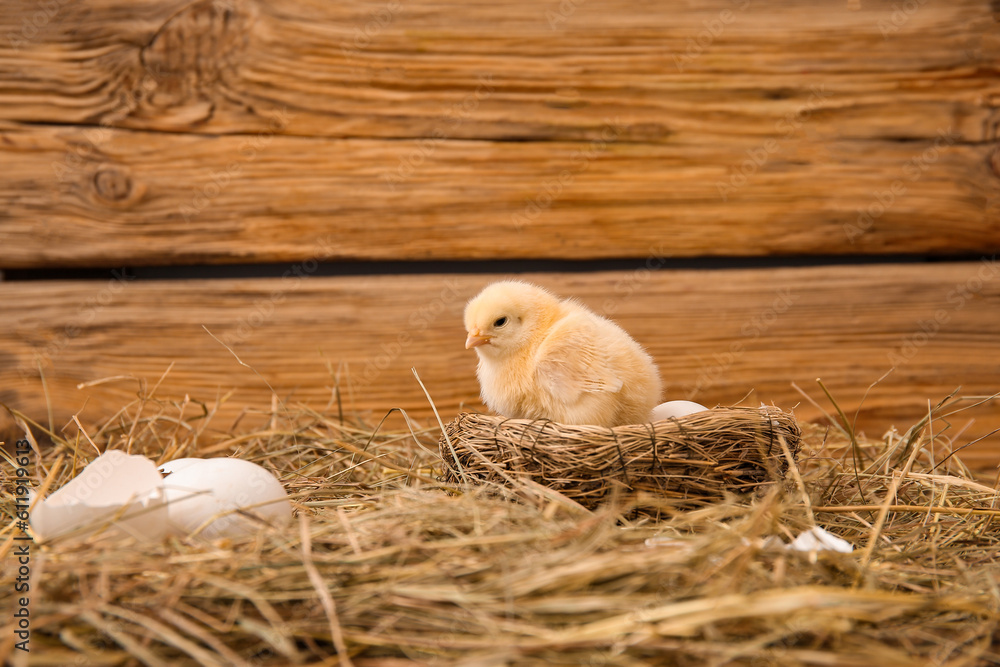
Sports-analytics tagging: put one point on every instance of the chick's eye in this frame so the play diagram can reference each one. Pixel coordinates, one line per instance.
(500, 322)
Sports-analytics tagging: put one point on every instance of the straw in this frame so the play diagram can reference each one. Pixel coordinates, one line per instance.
(392, 563)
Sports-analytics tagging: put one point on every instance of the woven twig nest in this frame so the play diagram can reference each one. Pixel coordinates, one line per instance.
(691, 460)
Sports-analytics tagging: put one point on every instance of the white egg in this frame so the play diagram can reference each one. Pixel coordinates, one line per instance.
(232, 496)
(117, 493)
(675, 409)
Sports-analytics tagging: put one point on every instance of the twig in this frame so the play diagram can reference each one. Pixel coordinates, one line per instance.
(923, 509)
(819, 407)
(444, 431)
(48, 399)
(883, 511)
(856, 454)
(329, 606)
(794, 470)
(848, 429)
(245, 364)
(857, 412)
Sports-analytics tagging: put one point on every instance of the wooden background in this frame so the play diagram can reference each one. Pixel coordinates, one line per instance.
(763, 193)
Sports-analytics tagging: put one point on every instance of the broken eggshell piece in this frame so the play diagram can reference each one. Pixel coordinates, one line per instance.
(116, 491)
(223, 497)
(818, 539)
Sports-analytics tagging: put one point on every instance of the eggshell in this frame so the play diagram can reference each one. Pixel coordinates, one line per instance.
(115, 484)
(177, 465)
(675, 409)
(232, 496)
(817, 539)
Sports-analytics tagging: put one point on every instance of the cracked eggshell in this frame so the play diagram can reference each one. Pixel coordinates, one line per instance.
(177, 465)
(115, 484)
(234, 497)
(675, 409)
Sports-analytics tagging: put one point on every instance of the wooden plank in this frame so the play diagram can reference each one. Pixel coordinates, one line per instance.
(155, 198)
(718, 336)
(467, 130)
(554, 70)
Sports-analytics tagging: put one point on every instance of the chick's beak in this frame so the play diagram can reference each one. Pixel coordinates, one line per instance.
(476, 339)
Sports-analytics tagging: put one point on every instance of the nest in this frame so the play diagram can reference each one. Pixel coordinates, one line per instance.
(689, 460)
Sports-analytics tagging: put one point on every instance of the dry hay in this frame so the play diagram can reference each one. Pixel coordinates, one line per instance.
(393, 565)
(690, 460)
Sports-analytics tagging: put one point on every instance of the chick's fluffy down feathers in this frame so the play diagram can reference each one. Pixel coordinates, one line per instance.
(545, 358)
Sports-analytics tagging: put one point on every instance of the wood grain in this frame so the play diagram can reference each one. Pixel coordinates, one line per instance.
(156, 198)
(718, 336)
(556, 70)
(242, 131)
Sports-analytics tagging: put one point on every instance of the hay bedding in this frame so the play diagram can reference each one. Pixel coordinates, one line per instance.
(393, 565)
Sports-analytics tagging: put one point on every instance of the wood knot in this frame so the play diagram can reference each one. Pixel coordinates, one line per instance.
(113, 186)
(995, 161)
(197, 52)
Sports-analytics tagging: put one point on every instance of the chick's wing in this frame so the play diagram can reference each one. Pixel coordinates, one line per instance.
(570, 362)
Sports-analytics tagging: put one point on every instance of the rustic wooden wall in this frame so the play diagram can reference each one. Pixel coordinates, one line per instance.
(182, 133)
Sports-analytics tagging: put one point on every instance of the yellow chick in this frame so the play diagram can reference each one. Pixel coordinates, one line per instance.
(545, 358)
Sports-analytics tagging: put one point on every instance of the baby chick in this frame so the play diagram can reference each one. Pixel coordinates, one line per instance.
(545, 358)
